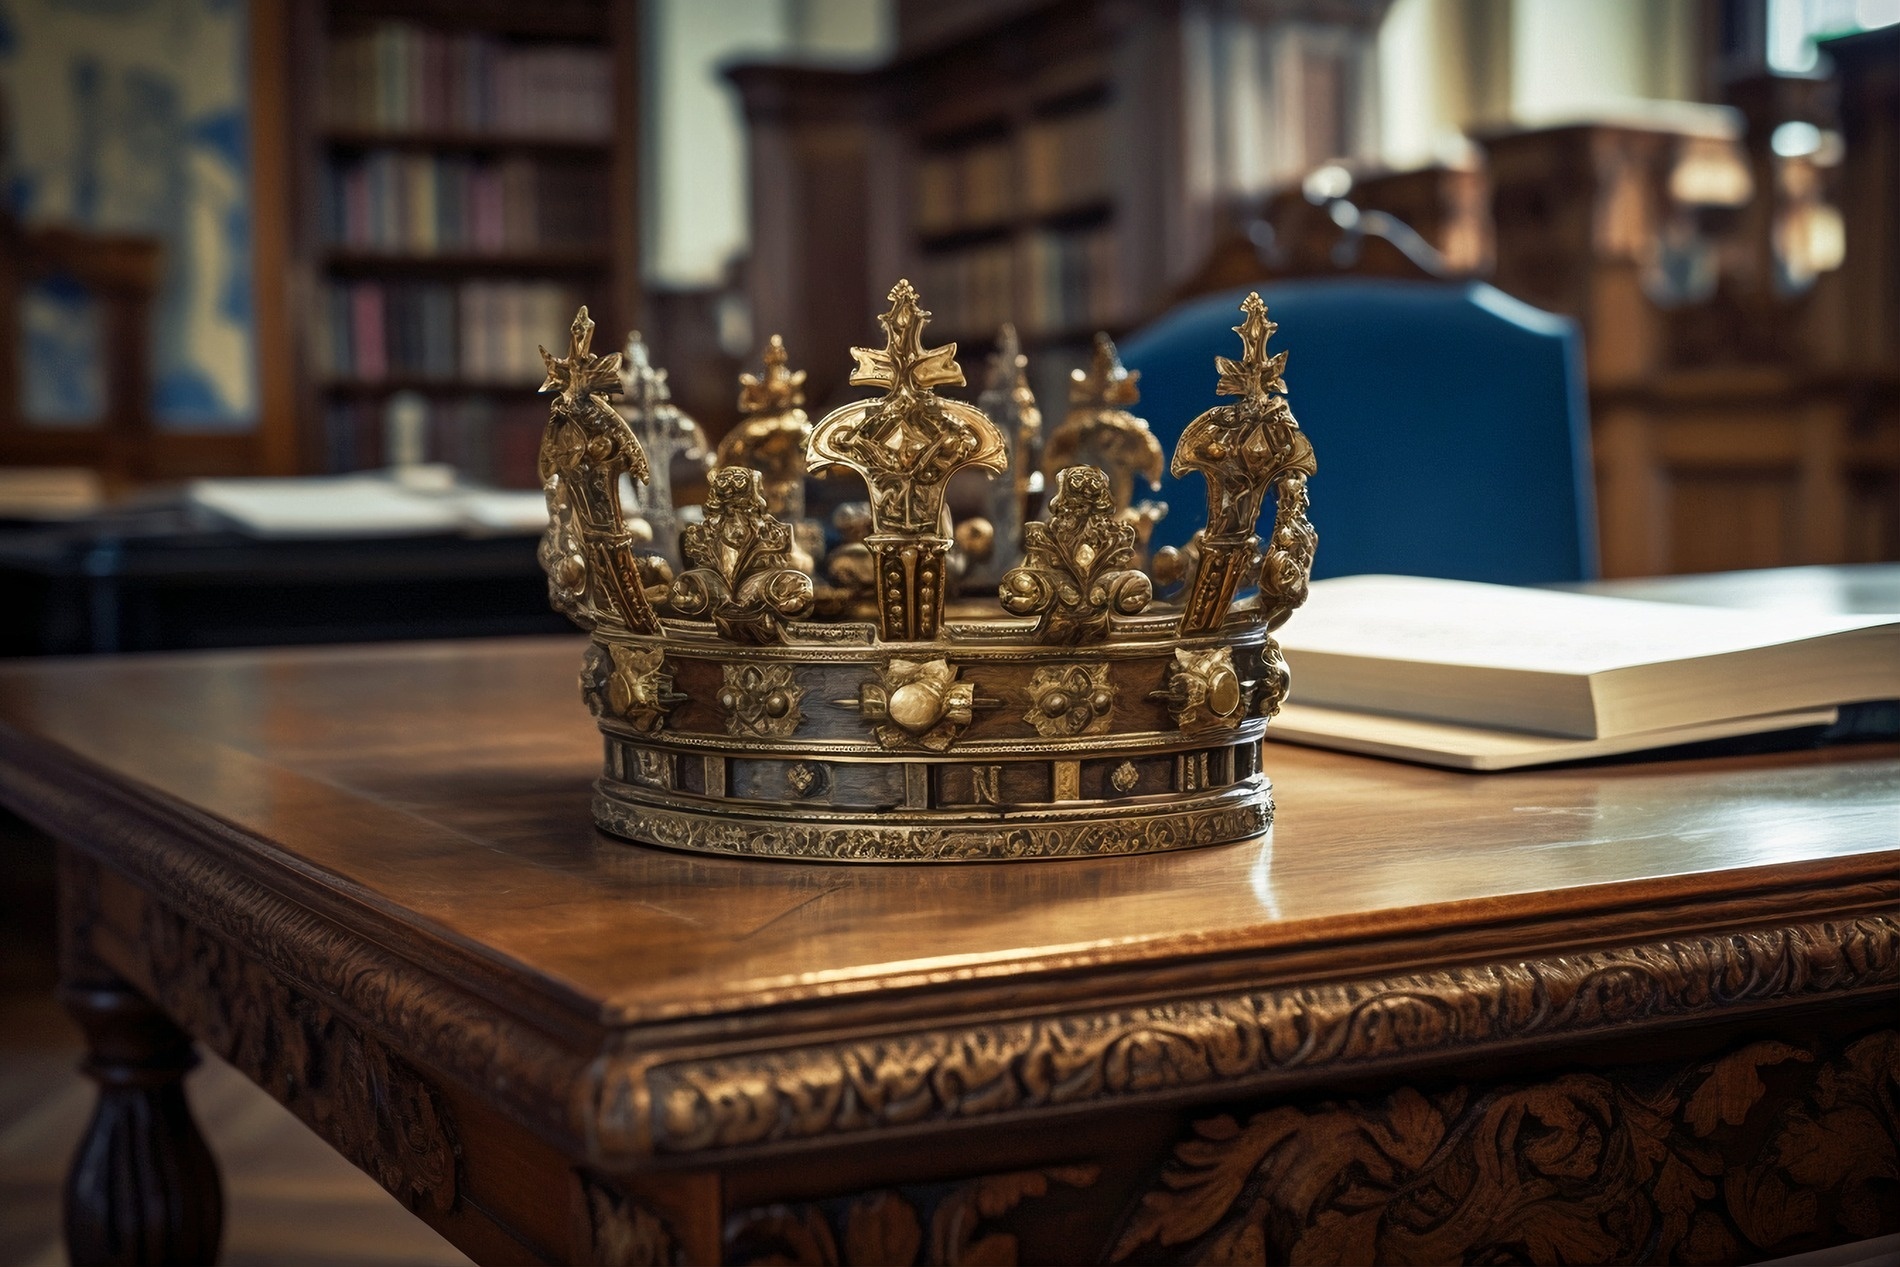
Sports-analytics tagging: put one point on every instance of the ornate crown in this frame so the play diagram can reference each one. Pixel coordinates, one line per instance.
(913, 687)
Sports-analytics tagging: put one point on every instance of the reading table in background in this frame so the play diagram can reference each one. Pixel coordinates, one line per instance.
(160, 580)
(1640, 1011)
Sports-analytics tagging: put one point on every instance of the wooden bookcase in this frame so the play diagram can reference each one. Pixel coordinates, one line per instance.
(454, 177)
(1063, 164)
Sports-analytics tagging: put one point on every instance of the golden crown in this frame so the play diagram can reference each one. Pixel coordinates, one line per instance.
(913, 686)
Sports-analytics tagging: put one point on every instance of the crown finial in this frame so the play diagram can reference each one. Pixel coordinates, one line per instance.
(777, 389)
(903, 364)
(1075, 572)
(643, 384)
(581, 373)
(1007, 363)
(1256, 374)
(906, 446)
(667, 435)
(771, 438)
(744, 581)
(593, 573)
(1011, 405)
(1106, 383)
(1242, 450)
(1099, 431)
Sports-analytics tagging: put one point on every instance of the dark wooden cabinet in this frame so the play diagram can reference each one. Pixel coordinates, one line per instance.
(1740, 420)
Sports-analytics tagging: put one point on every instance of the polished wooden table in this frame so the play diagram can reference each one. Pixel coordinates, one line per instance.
(1636, 1011)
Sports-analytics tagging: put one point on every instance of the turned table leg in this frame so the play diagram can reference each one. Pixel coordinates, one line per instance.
(143, 1187)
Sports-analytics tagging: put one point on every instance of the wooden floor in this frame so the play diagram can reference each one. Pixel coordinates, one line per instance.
(289, 1200)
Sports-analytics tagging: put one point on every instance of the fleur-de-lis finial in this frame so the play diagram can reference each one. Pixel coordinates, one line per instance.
(1256, 374)
(1011, 404)
(642, 383)
(1244, 449)
(580, 373)
(1007, 362)
(593, 573)
(776, 390)
(1100, 431)
(1106, 384)
(903, 364)
(771, 438)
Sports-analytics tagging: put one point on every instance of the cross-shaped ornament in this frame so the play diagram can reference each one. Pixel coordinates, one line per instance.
(906, 446)
(1255, 375)
(580, 374)
(903, 365)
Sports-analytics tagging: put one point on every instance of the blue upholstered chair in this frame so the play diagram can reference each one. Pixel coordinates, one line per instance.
(1449, 421)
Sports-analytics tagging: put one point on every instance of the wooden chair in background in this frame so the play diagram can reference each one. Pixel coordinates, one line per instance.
(1449, 417)
(120, 274)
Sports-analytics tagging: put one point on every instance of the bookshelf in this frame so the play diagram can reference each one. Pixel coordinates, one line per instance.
(1062, 164)
(1016, 222)
(460, 176)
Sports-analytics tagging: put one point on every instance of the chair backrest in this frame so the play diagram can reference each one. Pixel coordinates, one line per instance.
(1449, 421)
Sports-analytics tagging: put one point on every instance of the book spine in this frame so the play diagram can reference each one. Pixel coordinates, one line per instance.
(398, 77)
(397, 202)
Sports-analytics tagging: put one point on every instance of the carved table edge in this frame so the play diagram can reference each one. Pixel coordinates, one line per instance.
(525, 1072)
(625, 1109)
(1218, 1044)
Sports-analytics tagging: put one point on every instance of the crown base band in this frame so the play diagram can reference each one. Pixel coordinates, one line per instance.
(1223, 816)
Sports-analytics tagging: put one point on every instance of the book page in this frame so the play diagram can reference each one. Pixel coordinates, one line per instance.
(1481, 749)
(1423, 620)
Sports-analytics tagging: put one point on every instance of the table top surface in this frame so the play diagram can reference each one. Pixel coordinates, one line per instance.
(443, 789)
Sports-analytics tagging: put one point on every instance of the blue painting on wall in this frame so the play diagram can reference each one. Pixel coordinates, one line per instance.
(128, 116)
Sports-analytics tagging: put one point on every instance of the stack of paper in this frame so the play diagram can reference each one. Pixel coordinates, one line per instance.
(377, 505)
(1490, 677)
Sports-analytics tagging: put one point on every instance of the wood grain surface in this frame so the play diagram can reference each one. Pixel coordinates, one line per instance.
(368, 878)
(445, 787)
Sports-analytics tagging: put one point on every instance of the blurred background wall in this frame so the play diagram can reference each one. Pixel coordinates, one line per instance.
(130, 118)
(264, 237)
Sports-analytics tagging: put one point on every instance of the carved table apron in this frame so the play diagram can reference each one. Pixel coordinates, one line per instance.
(1621, 1013)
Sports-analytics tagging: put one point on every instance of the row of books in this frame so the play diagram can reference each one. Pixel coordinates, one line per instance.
(1061, 163)
(968, 188)
(474, 332)
(1051, 281)
(970, 290)
(398, 77)
(1073, 280)
(1065, 161)
(488, 441)
(427, 203)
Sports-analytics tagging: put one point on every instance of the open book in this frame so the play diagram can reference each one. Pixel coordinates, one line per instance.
(1493, 676)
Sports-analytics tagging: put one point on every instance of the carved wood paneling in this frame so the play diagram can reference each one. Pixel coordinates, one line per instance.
(526, 1074)
(623, 1231)
(988, 1070)
(1770, 1149)
(935, 1224)
(365, 1101)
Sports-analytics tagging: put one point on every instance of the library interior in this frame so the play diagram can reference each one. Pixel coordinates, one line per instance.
(950, 631)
